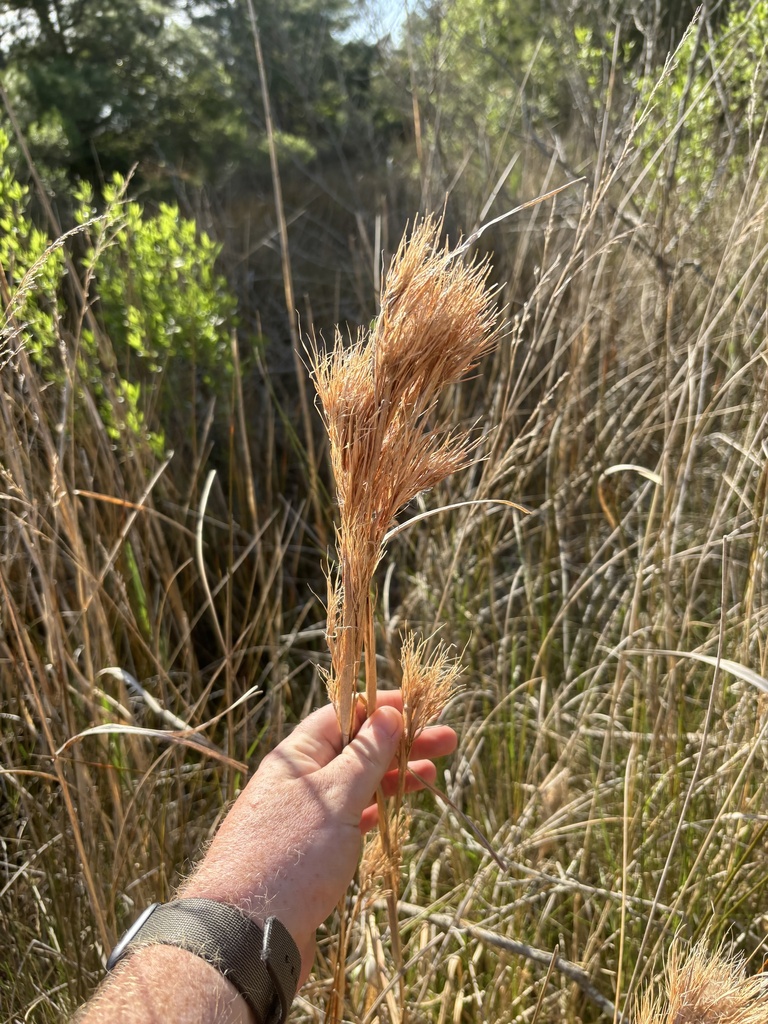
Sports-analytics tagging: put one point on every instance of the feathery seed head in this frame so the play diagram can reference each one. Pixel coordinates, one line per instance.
(706, 989)
(428, 683)
(438, 319)
(378, 399)
(382, 856)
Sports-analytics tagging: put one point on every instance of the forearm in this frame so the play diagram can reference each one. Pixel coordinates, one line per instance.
(287, 851)
(158, 984)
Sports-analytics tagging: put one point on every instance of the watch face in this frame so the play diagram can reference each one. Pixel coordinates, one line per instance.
(116, 955)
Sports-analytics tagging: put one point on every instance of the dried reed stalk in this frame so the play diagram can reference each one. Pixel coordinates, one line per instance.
(378, 399)
(706, 989)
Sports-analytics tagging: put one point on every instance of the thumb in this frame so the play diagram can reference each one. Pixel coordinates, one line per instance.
(361, 765)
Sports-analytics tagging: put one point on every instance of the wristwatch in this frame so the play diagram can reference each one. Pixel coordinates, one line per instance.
(262, 964)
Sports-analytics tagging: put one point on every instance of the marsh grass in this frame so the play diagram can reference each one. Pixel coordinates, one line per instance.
(621, 783)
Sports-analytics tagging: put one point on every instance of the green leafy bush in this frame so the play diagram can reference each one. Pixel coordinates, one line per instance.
(711, 100)
(33, 269)
(160, 298)
(148, 327)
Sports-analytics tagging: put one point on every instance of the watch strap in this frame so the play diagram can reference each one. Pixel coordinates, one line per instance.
(263, 965)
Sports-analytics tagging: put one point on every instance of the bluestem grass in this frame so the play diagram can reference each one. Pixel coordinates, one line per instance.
(705, 988)
(378, 398)
(379, 401)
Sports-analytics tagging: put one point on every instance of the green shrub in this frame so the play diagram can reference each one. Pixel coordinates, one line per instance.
(711, 101)
(157, 315)
(33, 269)
(160, 296)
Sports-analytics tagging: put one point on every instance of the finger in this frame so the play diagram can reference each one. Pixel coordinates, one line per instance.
(384, 699)
(390, 699)
(424, 769)
(314, 743)
(357, 771)
(369, 818)
(434, 741)
(427, 772)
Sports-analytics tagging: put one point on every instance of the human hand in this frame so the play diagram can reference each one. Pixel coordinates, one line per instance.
(291, 843)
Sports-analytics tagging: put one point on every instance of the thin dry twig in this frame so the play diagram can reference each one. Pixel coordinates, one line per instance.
(540, 956)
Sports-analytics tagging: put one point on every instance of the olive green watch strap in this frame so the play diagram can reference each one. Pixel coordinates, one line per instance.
(262, 964)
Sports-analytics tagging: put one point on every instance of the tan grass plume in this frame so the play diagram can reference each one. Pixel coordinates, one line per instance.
(378, 398)
(428, 682)
(705, 988)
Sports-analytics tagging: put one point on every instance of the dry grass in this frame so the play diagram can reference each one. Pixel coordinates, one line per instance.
(378, 397)
(621, 782)
(703, 987)
(112, 653)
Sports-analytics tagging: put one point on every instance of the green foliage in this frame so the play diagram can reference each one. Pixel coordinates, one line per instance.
(161, 300)
(163, 311)
(490, 72)
(322, 85)
(592, 56)
(175, 87)
(289, 147)
(33, 271)
(712, 100)
(464, 63)
(100, 86)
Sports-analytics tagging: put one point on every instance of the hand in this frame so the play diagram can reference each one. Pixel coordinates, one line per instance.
(290, 845)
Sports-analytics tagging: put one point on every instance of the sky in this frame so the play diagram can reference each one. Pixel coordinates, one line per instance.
(382, 17)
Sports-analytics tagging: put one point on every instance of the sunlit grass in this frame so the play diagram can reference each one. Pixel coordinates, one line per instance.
(621, 784)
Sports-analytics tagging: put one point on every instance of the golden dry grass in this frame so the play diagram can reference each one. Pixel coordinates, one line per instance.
(706, 987)
(613, 744)
(379, 401)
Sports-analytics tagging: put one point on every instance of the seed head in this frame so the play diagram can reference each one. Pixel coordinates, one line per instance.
(378, 399)
(706, 989)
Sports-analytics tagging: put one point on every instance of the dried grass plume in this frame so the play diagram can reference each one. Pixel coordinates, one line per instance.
(705, 988)
(429, 681)
(378, 398)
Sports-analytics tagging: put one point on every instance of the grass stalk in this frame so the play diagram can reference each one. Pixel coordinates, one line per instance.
(378, 399)
(290, 301)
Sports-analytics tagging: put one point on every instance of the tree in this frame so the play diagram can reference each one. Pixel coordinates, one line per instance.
(174, 86)
(319, 81)
(100, 86)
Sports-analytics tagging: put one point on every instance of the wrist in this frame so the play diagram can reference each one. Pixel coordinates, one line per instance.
(262, 963)
(166, 983)
(258, 906)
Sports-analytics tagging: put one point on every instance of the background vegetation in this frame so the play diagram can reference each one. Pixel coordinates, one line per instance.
(164, 505)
